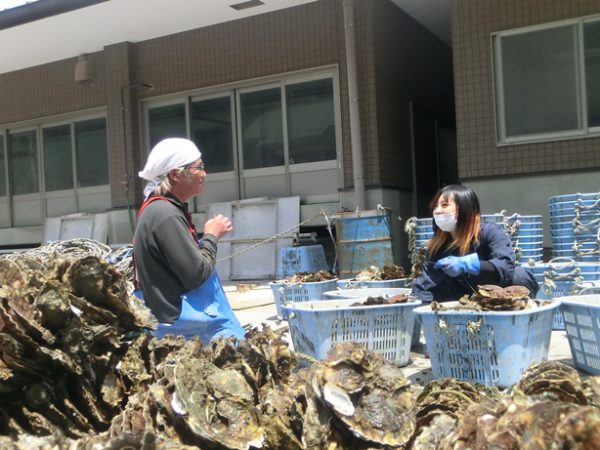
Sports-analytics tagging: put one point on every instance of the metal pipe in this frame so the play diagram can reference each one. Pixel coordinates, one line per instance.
(355, 133)
(126, 175)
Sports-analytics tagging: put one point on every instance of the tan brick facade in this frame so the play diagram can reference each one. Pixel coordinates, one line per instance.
(398, 61)
(473, 22)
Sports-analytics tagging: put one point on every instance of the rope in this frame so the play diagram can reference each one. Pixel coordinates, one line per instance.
(272, 237)
(580, 227)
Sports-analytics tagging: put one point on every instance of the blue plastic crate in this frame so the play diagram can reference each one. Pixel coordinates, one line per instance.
(307, 258)
(299, 292)
(491, 348)
(573, 197)
(386, 329)
(364, 293)
(582, 322)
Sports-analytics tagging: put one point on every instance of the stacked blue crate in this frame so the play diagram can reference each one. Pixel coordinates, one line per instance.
(575, 226)
(526, 236)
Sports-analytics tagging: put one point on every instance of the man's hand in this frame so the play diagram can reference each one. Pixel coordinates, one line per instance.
(455, 265)
(218, 226)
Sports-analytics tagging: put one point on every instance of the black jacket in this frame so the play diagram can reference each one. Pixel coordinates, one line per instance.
(497, 259)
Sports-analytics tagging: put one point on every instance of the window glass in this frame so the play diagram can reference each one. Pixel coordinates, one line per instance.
(212, 133)
(262, 134)
(58, 159)
(23, 162)
(2, 168)
(310, 121)
(591, 32)
(166, 121)
(540, 87)
(91, 152)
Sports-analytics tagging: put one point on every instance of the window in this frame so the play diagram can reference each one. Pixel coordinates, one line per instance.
(541, 89)
(591, 38)
(23, 162)
(262, 128)
(212, 132)
(91, 152)
(2, 168)
(58, 160)
(310, 121)
(165, 122)
(254, 126)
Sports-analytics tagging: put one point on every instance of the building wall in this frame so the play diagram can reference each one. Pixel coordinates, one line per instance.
(411, 65)
(473, 21)
(398, 61)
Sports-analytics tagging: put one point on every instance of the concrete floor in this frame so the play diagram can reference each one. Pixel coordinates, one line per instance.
(254, 304)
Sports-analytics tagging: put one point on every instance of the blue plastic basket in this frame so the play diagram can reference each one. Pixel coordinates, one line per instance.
(491, 348)
(364, 293)
(307, 258)
(582, 322)
(353, 283)
(525, 238)
(386, 329)
(572, 197)
(299, 292)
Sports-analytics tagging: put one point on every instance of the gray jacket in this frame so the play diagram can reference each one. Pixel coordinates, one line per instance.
(169, 262)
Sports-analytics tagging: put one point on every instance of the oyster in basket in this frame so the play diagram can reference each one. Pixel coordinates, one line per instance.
(490, 297)
(374, 273)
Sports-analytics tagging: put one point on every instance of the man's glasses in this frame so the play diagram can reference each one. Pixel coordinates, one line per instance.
(199, 167)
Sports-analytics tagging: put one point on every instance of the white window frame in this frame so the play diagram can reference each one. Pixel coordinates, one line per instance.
(583, 130)
(273, 81)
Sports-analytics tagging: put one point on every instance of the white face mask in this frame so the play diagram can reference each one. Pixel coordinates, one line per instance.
(445, 222)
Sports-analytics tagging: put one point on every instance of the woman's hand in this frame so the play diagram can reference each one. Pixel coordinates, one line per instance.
(218, 226)
(455, 265)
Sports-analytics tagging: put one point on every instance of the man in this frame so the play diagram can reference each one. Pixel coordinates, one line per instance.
(176, 272)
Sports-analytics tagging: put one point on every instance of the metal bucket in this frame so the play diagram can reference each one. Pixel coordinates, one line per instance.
(363, 240)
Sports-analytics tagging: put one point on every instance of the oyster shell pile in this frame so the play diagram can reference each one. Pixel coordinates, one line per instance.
(309, 277)
(355, 396)
(79, 371)
(392, 300)
(490, 297)
(388, 272)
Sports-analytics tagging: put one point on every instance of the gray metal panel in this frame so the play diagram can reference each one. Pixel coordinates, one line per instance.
(254, 221)
(27, 210)
(89, 226)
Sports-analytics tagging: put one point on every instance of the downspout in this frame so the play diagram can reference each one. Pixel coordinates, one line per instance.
(355, 133)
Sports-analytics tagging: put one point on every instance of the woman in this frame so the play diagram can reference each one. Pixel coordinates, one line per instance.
(465, 252)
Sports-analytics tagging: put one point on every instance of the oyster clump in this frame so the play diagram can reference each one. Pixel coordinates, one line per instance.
(489, 297)
(387, 272)
(368, 397)
(309, 277)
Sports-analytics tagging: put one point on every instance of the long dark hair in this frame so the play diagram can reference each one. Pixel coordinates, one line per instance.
(468, 220)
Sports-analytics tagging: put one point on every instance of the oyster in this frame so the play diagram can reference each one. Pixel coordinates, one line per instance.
(218, 404)
(310, 277)
(374, 273)
(370, 397)
(490, 297)
(554, 379)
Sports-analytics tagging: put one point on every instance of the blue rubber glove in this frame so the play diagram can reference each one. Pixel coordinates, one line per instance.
(455, 265)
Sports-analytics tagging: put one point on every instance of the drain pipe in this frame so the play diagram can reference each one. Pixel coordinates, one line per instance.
(126, 175)
(355, 133)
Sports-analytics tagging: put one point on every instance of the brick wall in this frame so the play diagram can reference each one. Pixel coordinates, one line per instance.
(473, 21)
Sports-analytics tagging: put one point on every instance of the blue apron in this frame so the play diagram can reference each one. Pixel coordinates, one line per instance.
(206, 313)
